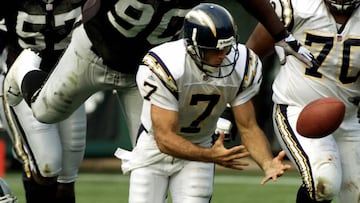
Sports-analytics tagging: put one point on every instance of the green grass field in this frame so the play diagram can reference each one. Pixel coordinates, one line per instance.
(232, 187)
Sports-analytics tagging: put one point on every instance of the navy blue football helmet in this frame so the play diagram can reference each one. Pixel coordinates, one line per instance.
(210, 26)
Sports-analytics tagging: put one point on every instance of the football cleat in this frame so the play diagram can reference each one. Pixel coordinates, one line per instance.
(25, 62)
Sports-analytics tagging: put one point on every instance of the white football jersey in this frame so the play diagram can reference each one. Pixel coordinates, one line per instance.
(336, 47)
(170, 79)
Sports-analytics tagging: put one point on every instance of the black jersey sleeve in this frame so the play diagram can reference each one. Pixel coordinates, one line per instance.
(123, 31)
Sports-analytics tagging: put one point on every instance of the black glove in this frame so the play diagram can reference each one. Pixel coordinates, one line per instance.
(356, 101)
(290, 46)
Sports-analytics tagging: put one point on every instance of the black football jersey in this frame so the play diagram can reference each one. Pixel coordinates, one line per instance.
(43, 27)
(122, 31)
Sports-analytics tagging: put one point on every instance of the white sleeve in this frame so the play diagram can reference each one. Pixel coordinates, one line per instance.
(152, 89)
(252, 79)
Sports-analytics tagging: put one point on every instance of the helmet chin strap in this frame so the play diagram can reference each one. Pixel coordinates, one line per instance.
(196, 55)
(210, 69)
(205, 66)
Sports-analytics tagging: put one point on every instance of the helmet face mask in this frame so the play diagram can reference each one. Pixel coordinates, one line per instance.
(342, 6)
(211, 27)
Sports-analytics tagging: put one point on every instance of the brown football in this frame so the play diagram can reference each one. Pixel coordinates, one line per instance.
(320, 117)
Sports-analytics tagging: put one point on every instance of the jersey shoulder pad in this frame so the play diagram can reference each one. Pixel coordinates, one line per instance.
(250, 69)
(155, 64)
(250, 58)
(254, 59)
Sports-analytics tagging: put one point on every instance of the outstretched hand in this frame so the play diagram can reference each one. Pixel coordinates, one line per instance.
(290, 46)
(276, 168)
(229, 158)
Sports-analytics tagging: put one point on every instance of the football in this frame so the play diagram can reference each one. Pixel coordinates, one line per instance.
(320, 117)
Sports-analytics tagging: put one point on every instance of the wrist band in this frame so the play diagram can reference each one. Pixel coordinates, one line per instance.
(281, 35)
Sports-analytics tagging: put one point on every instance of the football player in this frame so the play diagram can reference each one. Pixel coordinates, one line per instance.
(329, 166)
(185, 91)
(105, 52)
(50, 153)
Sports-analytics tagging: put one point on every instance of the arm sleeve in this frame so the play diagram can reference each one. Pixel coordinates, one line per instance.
(151, 88)
(252, 80)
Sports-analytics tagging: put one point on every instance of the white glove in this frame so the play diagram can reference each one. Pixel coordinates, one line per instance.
(290, 46)
(223, 125)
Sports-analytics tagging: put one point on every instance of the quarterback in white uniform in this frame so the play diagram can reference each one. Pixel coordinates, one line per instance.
(329, 166)
(186, 85)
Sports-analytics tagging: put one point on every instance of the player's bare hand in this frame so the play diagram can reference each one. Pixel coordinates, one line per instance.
(276, 168)
(229, 158)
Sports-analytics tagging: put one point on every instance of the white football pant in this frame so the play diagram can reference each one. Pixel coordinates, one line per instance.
(324, 163)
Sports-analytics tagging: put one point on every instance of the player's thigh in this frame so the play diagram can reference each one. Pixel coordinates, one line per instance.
(317, 159)
(193, 184)
(41, 140)
(349, 142)
(70, 83)
(148, 185)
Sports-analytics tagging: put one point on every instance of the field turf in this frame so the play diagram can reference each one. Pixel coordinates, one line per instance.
(232, 187)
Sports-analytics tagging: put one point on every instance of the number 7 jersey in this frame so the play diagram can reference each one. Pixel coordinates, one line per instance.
(171, 80)
(336, 47)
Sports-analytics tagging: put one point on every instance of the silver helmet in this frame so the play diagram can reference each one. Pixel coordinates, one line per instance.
(5, 193)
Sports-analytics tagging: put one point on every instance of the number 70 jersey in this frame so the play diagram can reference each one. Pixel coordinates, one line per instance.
(171, 80)
(336, 47)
